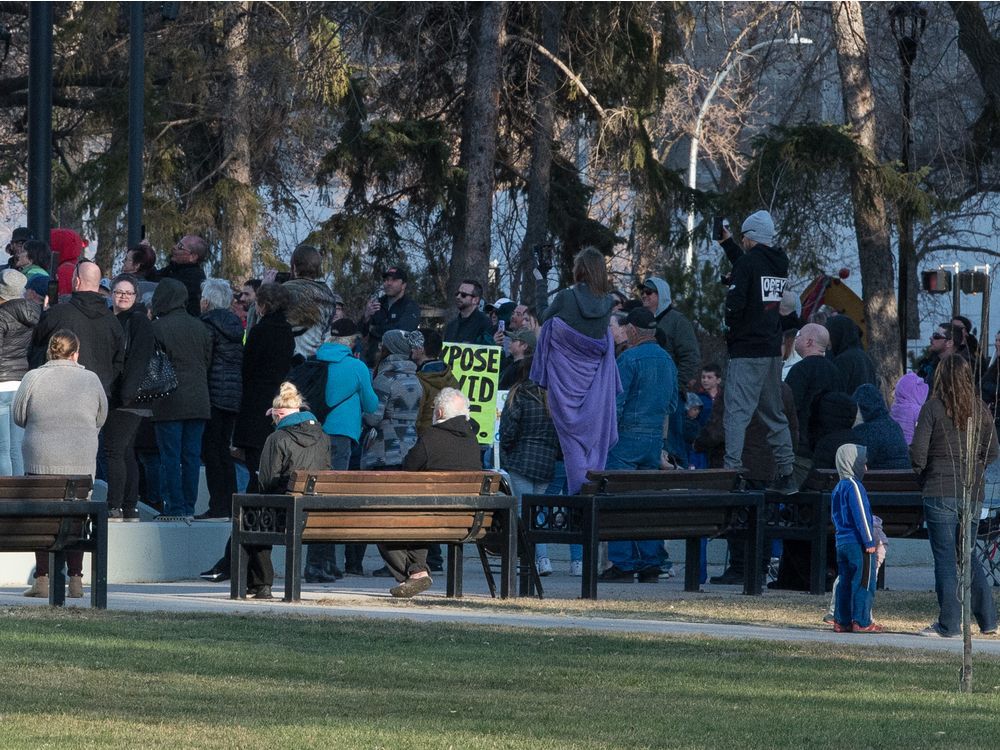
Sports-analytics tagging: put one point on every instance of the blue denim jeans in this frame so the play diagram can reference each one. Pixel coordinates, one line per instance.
(180, 463)
(856, 590)
(11, 438)
(521, 485)
(636, 450)
(941, 516)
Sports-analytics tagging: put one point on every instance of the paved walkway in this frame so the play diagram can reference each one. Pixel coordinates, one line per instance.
(349, 597)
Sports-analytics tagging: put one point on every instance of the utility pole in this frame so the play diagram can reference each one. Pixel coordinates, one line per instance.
(136, 95)
(40, 120)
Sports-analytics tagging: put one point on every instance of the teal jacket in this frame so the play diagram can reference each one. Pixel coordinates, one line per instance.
(348, 389)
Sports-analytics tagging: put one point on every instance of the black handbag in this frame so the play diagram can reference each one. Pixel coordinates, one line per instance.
(160, 378)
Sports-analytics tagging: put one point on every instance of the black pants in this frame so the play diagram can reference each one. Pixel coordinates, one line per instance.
(220, 472)
(119, 453)
(404, 560)
(251, 459)
(260, 570)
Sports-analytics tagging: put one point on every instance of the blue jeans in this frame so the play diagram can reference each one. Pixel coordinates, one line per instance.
(340, 452)
(11, 438)
(941, 515)
(856, 590)
(558, 487)
(180, 463)
(521, 485)
(636, 450)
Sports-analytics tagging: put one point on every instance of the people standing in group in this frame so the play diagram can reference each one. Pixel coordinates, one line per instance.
(186, 258)
(910, 394)
(18, 318)
(18, 237)
(179, 418)
(878, 433)
(267, 359)
(433, 373)
(69, 247)
(393, 311)
(225, 393)
(245, 303)
(522, 346)
(34, 258)
(754, 344)
(140, 262)
(126, 414)
(575, 362)
(471, 325)
(60, 433)
(855, 364)
(648, 397)
(953, 420)
(311, 303)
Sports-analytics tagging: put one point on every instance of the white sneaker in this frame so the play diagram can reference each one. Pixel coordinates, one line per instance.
(544, 566)
(576, 568)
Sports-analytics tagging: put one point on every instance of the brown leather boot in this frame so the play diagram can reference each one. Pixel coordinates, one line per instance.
(75, 587)
(39, 589)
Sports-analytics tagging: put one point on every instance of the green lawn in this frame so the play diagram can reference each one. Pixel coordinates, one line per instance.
(80, 679)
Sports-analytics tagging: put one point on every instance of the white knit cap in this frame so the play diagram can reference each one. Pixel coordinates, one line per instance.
(759, 227)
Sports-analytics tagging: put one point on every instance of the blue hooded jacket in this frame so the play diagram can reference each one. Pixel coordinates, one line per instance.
(879, 433)
(348, 389)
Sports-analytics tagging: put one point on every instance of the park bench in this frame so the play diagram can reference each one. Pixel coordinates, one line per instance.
(894, 496)
(52, 513)
(627, 505)
(445, 507)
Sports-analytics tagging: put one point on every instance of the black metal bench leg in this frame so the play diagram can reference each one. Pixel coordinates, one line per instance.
(487, 570)
(293, 554)
(508, 562)
(528, 569)
(455, 571)
(57, 579)
(817, 558)
(692, 564)
(99, 563)
(237, 557)
(590, 554)
(753, 550)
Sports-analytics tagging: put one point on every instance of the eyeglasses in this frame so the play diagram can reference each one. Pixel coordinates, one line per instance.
(117, 293)
(938, 336)
(463, 295)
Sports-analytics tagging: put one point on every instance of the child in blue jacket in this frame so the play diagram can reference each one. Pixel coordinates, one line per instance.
(856, 544)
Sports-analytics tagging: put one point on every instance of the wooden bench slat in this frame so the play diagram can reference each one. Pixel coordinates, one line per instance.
(360, 520)
(440, 535)
(384, 483)
(389, 489)
(614, 482)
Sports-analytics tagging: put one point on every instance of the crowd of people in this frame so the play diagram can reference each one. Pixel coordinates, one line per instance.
(595, 380)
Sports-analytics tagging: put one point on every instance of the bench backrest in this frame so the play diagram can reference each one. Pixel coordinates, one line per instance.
(389, 483)
(45, 487)
(42, 532)
(617, 482)
(884, 480)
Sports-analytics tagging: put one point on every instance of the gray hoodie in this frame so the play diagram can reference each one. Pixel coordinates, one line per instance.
(582, 310)
(675, 333)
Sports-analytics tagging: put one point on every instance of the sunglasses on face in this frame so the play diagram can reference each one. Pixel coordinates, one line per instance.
(464, 295)
(938, 336)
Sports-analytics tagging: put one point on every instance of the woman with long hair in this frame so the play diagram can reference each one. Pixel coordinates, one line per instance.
(953, 442)
(60, 433)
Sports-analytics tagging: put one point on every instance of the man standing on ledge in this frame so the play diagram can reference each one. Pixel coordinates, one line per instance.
(754, 375)
(186, 258)
(471, 325)
(393, 311)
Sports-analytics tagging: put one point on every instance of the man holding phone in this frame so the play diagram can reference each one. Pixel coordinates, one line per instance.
(392, 311)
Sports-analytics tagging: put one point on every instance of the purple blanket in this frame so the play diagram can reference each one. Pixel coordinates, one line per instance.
(581, 377)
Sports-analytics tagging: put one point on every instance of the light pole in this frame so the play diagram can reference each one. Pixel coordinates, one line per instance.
(719, 79)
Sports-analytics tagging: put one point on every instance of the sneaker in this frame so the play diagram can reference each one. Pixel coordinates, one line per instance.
(263, 592)
(353, 571)
(869, 628)
(115, 515)
(934, 631)
(728, 578)
(614, 574)
(649, 575)
(784, 485)
(576, 568)
(411, 587)
(838, 628)
(383, 572)
(991, 631)
(130, 515)
(666, 573)
(214, 575)
(828, 618)
(544, 566)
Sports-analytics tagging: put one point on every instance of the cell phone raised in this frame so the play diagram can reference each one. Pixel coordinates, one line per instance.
(718, 224)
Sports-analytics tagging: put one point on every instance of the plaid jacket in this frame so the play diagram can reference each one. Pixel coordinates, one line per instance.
(528, 442)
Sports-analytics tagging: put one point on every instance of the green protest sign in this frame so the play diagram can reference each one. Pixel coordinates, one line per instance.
(477, 370)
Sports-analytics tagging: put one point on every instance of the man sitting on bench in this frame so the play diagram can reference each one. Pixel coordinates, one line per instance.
(448, 445)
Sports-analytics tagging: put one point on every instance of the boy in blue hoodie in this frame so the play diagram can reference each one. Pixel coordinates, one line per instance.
(856, 544)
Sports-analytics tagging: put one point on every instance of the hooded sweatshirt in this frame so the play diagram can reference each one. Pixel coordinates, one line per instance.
(833, 418)
(582, 310)
(188, 344)
(911, 392)
(879, 433)
(298, 442)
(348, 390)
(753, 300)
(855, 366)
(675, 334)
(852, 514)
(69, 245)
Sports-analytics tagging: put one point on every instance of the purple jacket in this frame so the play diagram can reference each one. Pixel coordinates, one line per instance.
(581, 377)
(911, 392)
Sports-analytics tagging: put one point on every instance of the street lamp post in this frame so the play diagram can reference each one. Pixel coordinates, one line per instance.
(719, 79)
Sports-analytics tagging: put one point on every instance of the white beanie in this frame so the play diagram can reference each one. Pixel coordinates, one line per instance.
(759, 227)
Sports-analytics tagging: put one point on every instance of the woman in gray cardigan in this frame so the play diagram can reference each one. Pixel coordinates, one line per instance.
(61, 407)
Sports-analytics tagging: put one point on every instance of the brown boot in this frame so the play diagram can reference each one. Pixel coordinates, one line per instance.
(39, 589)
(75, 587)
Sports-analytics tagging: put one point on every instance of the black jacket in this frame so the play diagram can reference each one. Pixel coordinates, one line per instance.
(225, 374)
(190, 275)
(187, 343)
(809, 378)
(475, 329)
(446, 446)
(18, 318)
(298, 443)
(267, 359)
(139, 345)
(758, 281)
(831, 427)
(855, 366)
(102, 342)
(402, 315)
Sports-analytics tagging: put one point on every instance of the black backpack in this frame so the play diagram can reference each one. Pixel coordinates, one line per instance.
(310, 378)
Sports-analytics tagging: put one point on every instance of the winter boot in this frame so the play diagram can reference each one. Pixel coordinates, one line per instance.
(75, 587)
(39, 589)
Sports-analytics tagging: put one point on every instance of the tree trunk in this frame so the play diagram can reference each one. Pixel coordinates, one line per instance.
(871, 224)
(471, 255)
(536, 232)
(240, 215)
